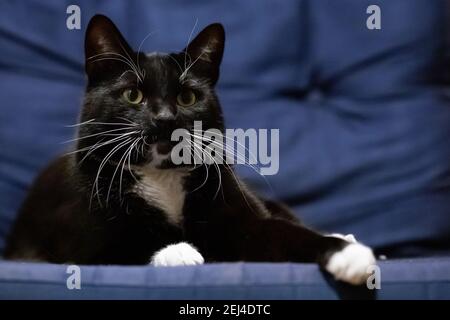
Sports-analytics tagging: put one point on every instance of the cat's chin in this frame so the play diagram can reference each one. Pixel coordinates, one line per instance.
(159, 157)
(158, 154)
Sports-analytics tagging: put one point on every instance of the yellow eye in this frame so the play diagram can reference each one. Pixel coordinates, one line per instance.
(133, 96)
(186, 98)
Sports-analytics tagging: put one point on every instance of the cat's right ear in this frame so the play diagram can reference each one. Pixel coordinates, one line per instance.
(207, 47)
(105, 47)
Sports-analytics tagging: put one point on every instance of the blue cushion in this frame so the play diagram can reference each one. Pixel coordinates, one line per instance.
(364, 121)
(400, 279)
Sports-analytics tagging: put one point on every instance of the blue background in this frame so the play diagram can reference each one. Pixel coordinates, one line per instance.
(364, 115)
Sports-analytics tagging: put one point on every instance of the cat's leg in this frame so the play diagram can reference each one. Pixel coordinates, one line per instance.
(349, 264)
(177, 255)
(282, 240)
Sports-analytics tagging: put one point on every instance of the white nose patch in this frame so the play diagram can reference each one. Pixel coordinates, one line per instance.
(180, 254)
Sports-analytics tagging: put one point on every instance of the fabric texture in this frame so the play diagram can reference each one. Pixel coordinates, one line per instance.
(400, 279)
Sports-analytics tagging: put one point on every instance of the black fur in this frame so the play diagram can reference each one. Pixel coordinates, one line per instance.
(63, 221)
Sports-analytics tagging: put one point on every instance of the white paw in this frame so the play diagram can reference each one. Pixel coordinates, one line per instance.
(351, 263)
(180, 254)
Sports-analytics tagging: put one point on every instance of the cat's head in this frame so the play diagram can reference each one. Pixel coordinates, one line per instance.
(136, 98)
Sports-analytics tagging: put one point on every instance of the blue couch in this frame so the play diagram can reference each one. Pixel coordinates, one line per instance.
(364, 118)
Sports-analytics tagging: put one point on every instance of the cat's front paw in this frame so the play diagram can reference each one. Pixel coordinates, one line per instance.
(351, 263)
(180, 254)
(347, 237)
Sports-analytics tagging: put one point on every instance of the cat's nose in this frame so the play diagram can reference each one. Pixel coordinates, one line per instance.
(164, 118)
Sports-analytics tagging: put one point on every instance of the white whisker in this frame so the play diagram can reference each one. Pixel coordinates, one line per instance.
(115, 171)
(96, 134)
(102, 164)
(79, 124)
(189, 40)
(139, 49)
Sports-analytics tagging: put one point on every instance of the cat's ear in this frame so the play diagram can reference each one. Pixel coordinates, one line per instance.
(104, 46)
(207, 47)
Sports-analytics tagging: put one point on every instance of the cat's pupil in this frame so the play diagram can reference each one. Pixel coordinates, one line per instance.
(185, 96)
(133, 95)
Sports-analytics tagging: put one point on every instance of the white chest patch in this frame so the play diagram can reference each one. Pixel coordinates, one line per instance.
(164, 190)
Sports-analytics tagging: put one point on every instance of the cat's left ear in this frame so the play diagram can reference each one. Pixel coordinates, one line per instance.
(105, 47)
(207, 48)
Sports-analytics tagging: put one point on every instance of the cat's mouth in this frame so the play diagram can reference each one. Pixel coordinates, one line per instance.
(159, 154)
(151, 139)
(163, 147)
(158, 139)
(159, 145)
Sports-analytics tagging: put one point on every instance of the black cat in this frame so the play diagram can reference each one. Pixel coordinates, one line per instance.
(119, 199)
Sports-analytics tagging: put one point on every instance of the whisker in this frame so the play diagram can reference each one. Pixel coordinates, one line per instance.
(115, 171)
(126, 71)
(238, 183)
(130, 170)
(239, 186)
(229, 139)
(128, 120)
(179, 66)
(95, 147)
(243, 160)
(183, 75)
(129, 150)
(96, 134)
(239, 156)
(102, 123)
(140, 46)
(131, 60)
(128, 61)
(189, 40)
(124, 60)
(216, 166)
(89, 147)
(207, 173)
(79, 124)
(101, 166)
